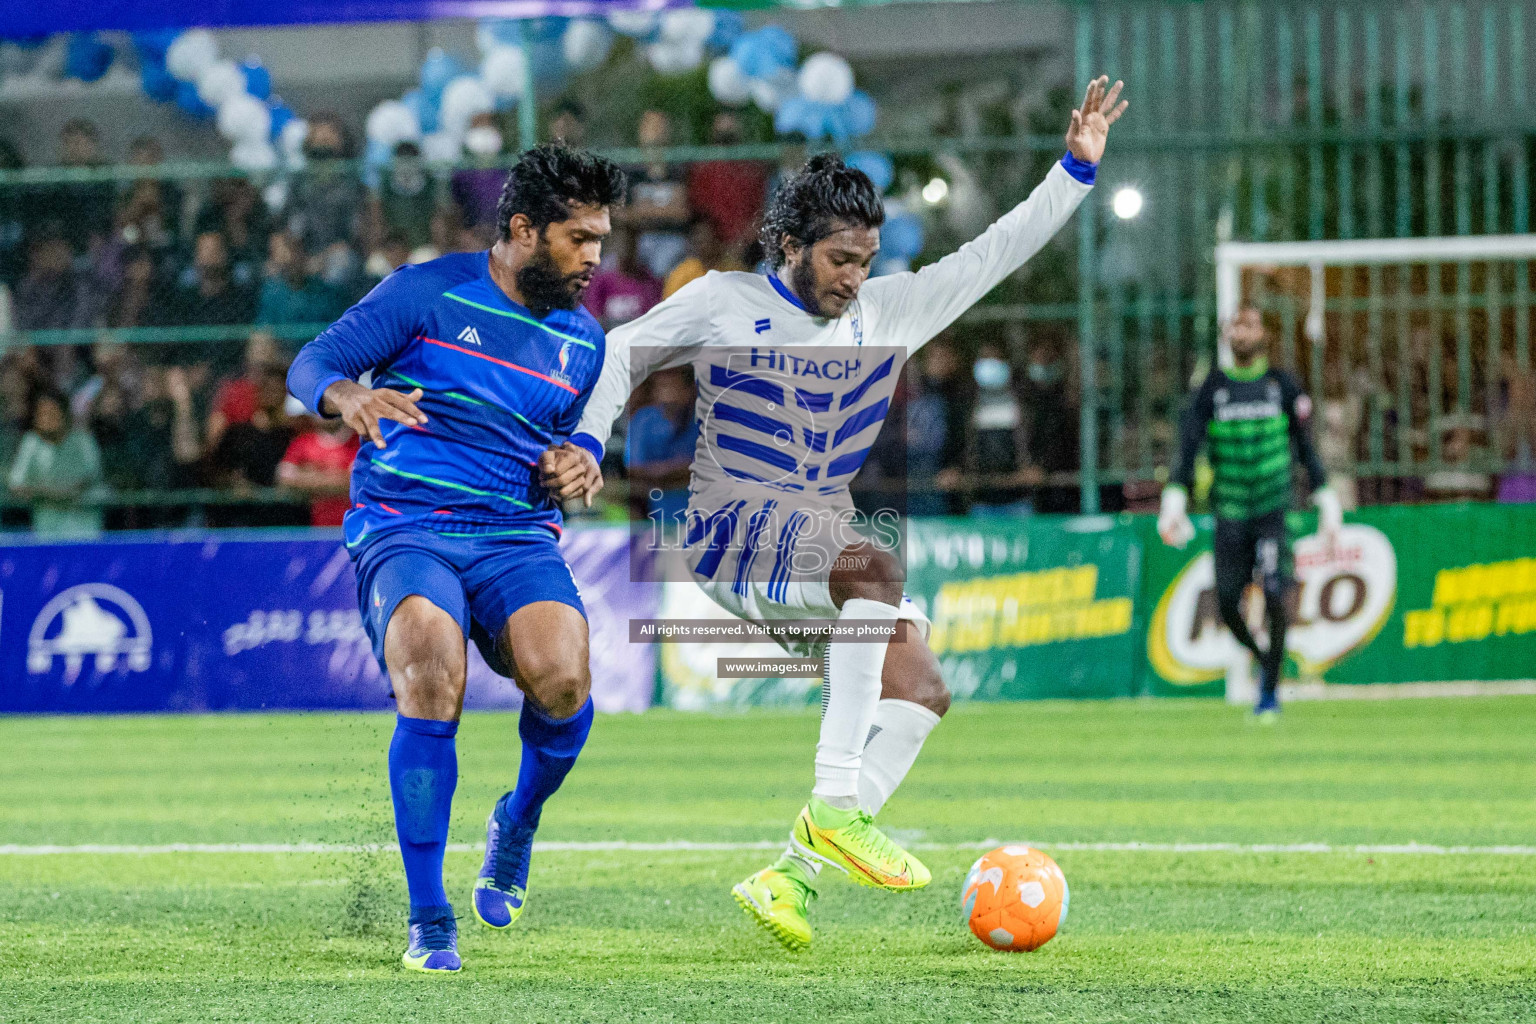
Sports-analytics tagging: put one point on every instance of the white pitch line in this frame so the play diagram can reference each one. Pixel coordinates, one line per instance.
(686, 846)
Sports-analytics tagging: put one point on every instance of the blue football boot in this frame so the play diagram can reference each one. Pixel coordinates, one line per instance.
(434, 946)
(1267, 710)
(501, 890)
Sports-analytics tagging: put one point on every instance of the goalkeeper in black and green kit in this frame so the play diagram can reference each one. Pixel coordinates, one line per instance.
(1254, 420)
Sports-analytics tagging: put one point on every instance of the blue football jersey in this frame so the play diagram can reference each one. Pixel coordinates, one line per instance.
(499, 386)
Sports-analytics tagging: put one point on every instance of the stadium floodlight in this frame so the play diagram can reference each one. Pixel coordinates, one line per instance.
(935, 191)
(1127, 202)
(1232, 258)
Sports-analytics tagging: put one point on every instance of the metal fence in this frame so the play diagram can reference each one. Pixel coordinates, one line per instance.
(1257, 122)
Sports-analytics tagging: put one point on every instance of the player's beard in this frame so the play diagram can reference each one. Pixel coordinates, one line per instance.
(543, 287)
(802, 278)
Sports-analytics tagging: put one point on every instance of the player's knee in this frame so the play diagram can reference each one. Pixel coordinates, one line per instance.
(867, 573)
(931, 692)
(424, 650)
(558, 683)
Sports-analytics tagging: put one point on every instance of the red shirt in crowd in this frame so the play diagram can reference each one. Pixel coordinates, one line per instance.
(730, 193)
(315, 449)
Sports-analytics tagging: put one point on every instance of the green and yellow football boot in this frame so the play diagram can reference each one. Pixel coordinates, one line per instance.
(776, 899)
(851, 842)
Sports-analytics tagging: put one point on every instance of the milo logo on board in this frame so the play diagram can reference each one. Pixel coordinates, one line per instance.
(1342, 600)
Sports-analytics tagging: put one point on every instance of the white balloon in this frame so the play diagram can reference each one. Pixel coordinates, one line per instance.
(727, 83)
(219, 81)
(501, 71)
(675, 58)
(826, 78)
(487, 37)
(291, 138)
(462, 100)
(586, 44)
(254, 155)
(190, 54)
(633, 23)
(692, 24)
(768, 93)
(442, 147)
(244, 119)
(392, 123)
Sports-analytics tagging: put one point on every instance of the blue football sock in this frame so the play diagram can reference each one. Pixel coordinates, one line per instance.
(423, 771)
(550, 748)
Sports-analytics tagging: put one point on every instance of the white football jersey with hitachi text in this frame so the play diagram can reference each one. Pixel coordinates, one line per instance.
(777, 413)
(790, 403)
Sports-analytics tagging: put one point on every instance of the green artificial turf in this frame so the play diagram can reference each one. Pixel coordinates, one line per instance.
(617, 934)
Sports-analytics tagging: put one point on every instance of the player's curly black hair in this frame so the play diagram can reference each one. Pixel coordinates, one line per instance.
(822, 197)
(548, 180)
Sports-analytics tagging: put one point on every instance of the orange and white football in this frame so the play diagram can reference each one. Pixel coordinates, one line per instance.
(1015, 898)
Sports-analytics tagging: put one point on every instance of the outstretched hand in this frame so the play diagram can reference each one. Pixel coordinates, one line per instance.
(1089, 130)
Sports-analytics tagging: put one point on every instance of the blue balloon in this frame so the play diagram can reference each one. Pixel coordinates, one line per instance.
(759, 54)
(87, 57)
(902, 237)
(877, 166)
(281, 115)
(158, 83)
(832, 122)
(155, 42)
(436, 72)
(859, 113)
(426, 113)
(258, 80)
(729, 25)
(29, 42)
(190, 103)
(797, 114)
(546, 30)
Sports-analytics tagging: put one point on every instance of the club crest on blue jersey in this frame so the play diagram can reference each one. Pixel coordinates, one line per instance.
(560, 373)
(470, 335)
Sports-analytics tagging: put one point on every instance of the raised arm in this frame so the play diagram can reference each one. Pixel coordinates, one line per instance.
(913, 307)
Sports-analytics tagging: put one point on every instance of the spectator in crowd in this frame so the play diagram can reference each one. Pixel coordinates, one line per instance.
(477, 190)
(660, 446)
(935, 431)
(290, 294)
(1338, 435)
(705, 253)
(115, 367)
(16, 386)
(148, 439)
(56, 468)
(1051, 426)
(1517, 431)
(326, 202)
(208, 292)
(80, 212)
(247, 455)
(999, 454)
(51, 296)
(658, 199)
(624, 290)
(236, 210)
(406, 198)
(15, 210)
(728, 193)
(1459, 477)
(568, 123)
(392, 253)
(318, 464)
(149, 209)
(146, 151)
(237, 398)
(137, 300)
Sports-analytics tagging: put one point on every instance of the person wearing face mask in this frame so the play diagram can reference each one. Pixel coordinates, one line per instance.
(998, 458)
(478, 189)
(1051, 427)
(326, 201)
(407, 196)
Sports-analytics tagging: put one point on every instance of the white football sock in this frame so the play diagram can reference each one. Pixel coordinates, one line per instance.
(894, 743)
(852, 692)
